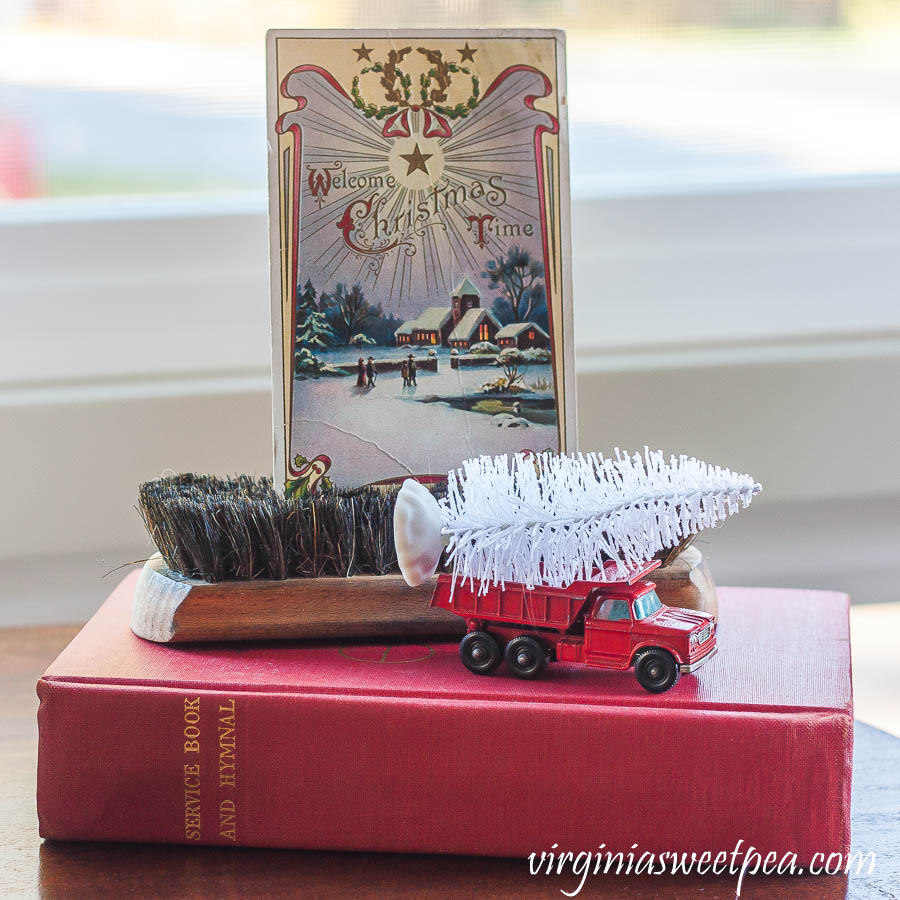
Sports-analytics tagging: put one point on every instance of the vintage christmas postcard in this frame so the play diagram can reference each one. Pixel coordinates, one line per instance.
(419, 217)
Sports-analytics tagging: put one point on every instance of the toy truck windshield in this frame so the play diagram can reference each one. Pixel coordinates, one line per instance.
(646, 605)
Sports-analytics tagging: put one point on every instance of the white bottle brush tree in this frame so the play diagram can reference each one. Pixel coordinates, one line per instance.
(554, 519)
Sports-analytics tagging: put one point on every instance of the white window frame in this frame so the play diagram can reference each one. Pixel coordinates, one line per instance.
(747, 325)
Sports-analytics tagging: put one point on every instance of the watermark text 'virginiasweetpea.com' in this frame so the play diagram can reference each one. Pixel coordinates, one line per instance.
(741, 861)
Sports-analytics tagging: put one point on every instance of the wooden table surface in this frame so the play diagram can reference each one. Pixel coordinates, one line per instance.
(32, 868)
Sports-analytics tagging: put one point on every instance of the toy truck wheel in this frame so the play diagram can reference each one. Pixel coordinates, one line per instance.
(479, 652)
(525, 657)
(656, 670)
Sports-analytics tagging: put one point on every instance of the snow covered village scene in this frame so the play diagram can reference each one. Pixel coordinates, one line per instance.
(421, 307)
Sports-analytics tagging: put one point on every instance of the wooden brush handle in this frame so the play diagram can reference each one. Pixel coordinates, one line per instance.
(169, 608)
(687, 582)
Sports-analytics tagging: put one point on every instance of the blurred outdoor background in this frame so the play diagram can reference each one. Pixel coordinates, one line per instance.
(735, 174)
(101, 97)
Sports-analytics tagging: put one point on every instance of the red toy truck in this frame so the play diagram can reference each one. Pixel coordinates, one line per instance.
(608, 624)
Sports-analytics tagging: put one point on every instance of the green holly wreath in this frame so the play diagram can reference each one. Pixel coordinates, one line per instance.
(441, 74)
(397, 85)
(397, 95)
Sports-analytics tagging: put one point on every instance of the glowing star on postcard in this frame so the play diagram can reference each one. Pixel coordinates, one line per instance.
(419, 212)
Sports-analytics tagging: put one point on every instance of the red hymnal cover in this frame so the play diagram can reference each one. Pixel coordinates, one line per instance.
(400, 748)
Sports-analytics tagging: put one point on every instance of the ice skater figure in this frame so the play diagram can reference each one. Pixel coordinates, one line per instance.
(411, 370)
(371, 374)
(404, 371)
(361, 373)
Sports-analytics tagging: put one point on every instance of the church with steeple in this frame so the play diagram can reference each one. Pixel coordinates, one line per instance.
(459, 326)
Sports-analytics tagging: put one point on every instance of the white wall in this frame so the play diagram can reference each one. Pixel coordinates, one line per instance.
(757, 329)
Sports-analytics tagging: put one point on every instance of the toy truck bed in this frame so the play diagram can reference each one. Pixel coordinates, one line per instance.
(539, 607)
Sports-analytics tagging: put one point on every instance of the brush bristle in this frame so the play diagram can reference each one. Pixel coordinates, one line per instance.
(221, 529)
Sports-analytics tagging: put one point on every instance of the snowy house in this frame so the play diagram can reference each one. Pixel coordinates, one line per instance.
(403, 334)
(434, 324)
(431, 326)
(523, 335)
(475, 326)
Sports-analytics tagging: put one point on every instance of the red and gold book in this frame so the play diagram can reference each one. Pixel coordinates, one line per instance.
(400, 748)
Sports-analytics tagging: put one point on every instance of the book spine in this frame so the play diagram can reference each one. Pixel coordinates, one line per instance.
(329, 771)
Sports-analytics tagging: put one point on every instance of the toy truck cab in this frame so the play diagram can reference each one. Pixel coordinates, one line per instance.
(612, 624)
(628, 625)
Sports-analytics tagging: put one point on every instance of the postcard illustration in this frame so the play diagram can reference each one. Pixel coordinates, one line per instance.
(419, 234)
